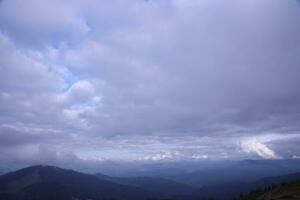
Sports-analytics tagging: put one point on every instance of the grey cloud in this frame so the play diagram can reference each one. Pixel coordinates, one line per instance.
(195, 78)
(41, 23)
(21, 73)
(177, 71)
(10, 137)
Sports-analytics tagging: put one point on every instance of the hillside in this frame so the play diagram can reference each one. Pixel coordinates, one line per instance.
(290, 191)
(54, 183)
(46, 182)
(285, 191)
(230, 190)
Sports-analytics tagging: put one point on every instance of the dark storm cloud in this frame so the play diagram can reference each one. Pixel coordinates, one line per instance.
(193, 79)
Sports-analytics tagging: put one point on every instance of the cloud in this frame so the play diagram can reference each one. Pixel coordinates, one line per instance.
(79, 92)
(265, 145)
(295, 157)
(173, 156)
(22, 73)
(203, 78)
(161, 156)
(151, 77)
(31, 24)
(253, 146)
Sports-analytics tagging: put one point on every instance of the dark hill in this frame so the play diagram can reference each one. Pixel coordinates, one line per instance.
(233, 189)
(47, 183)
(284, 192)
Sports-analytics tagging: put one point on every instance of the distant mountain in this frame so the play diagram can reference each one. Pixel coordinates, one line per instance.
(239, 171)
(53, 183)
(159, 186)
(49, 183)
(204, 172)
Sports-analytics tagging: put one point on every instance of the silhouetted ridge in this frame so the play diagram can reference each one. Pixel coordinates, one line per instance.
(39, 182)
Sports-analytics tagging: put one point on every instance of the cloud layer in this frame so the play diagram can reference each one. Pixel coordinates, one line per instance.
(149, 80)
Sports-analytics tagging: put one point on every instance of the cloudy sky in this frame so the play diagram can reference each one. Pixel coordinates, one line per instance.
(149, 80)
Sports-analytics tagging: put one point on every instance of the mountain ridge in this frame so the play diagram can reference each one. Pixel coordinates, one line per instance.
(51, 182)
(33, 181)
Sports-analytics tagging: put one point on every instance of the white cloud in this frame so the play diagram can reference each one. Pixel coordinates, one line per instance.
(166, 155)
(295, 157)
(262, 150)
(199, 157)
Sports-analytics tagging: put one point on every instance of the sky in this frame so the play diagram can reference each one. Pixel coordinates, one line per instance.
(149, 80)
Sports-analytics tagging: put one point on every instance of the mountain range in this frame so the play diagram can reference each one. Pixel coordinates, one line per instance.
(50, 182)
